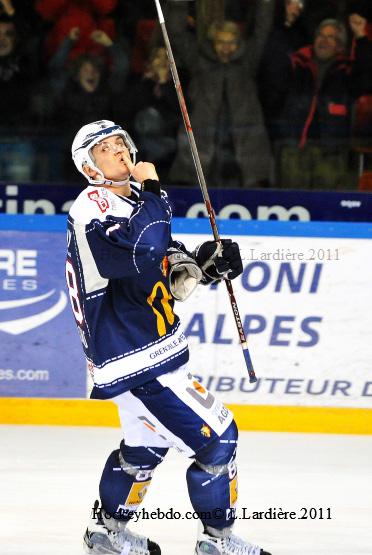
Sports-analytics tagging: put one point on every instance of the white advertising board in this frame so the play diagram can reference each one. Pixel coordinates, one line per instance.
(306, 304)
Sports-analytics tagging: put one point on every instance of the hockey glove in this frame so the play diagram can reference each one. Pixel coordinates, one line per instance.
(218, 260)
(184, 274)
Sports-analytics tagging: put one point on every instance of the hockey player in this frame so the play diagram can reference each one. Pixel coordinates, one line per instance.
(123, 273)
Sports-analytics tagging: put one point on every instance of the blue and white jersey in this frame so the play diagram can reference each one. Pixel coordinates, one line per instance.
(117, 276)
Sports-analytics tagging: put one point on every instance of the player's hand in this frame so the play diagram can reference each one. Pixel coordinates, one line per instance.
(142, 170)
(219, 260)
(231, 257)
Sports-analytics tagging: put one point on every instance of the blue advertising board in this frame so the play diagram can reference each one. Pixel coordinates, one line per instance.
(245, 204)
(41, 354)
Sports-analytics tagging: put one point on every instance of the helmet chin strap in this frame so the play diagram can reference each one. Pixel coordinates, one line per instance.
(103, 181)
(117, 183)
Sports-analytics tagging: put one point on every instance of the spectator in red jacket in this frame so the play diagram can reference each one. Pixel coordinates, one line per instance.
(86, 15)
(313, 125)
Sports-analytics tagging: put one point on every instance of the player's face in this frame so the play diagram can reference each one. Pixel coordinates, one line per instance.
(7, 38)
(225, 45)
(326, 45)
(108, 156)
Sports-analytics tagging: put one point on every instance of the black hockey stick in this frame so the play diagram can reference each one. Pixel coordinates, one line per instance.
(203, 187)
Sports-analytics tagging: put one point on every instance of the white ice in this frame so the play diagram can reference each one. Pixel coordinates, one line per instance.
(49, 479)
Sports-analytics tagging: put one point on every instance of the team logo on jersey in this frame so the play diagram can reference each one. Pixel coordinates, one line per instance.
(103, 203)
(205, 431)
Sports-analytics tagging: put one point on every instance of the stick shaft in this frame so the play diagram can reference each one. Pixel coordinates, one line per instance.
(203, 187)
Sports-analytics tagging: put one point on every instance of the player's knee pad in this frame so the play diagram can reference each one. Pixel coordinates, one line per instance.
(222, 449)
(212, 480)
(126, 477)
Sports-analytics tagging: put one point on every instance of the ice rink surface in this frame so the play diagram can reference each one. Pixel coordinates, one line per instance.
(49, 479)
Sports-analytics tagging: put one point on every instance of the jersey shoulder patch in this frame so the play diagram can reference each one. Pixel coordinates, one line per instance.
(96, 203)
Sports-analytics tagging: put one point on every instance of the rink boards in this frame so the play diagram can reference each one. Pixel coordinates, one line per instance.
(304, 298)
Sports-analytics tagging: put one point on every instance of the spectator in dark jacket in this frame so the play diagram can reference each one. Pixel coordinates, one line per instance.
(84, 89)
(115, 59)
(360, 20)
(17, 76)
(85, 97)
(314, 124)
(287, 35)
(152, 111)
(225, 113)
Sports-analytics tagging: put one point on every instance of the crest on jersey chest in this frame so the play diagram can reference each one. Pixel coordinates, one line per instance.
(102, 202)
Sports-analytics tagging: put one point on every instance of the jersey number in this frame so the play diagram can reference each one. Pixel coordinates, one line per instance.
(168, 312)
(73, 292)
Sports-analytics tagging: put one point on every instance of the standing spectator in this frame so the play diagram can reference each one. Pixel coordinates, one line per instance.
(85, 93)
(87, 15)
(287, 35)
(17, 76)
(225, 111)
(115, 59)
(360, 19)
(152, 110)
(322, 83)
(85, 88)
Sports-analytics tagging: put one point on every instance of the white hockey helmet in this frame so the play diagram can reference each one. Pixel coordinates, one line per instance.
(91, 134)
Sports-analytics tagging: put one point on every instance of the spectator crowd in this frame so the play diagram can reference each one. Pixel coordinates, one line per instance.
(279, 92)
